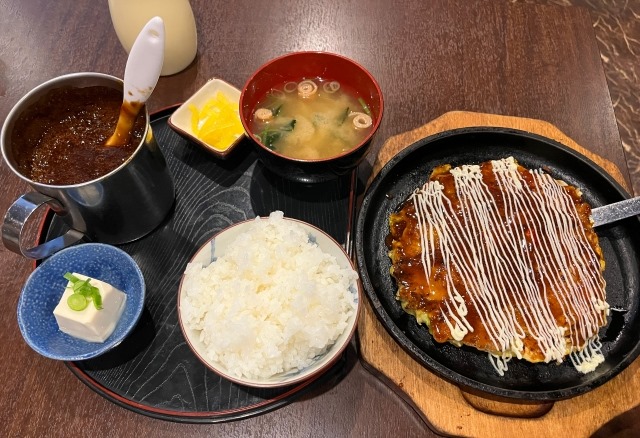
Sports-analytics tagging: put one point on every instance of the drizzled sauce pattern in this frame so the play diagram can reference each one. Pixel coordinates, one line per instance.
(505, 260)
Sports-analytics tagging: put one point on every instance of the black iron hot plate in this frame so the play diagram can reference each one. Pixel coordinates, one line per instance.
(467, 367)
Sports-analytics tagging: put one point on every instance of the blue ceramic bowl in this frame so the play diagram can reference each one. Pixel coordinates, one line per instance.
(44, 287)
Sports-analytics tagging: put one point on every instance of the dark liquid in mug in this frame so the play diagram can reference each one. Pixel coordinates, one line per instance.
(60, 140)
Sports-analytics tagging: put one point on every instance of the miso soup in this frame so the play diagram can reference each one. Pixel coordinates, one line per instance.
(311, 119)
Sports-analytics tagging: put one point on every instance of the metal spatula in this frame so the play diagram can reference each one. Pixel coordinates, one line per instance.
(616, 211)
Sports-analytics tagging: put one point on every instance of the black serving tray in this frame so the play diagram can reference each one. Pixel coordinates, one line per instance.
(153, 372)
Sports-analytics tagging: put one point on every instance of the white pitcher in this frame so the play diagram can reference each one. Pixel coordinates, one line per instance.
(181, 42)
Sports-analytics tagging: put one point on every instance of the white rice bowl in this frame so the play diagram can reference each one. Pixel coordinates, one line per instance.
(269, 302)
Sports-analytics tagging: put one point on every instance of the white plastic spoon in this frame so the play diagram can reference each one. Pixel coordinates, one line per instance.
(140, 77)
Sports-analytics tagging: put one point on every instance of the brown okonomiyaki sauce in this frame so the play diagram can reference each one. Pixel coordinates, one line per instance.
(427, 296)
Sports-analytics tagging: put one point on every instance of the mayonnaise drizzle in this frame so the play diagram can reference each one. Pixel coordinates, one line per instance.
(490, 248)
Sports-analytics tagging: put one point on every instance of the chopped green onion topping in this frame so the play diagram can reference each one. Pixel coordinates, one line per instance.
(97, 299)
(77, 302)
(276, 110)
(344, 116)
(83, 292)
(365, 107)
(289, 126)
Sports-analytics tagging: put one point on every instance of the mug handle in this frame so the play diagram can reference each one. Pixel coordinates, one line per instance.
(18, 215)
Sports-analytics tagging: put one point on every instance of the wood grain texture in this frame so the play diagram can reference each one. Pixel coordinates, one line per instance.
(617, 30)
(462, 413)
(153, 370)
(463, 119)
(430, 57)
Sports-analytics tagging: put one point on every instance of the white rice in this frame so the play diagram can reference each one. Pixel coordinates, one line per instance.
(271, 304)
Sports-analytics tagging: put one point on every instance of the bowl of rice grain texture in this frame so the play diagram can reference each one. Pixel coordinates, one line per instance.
(269, 302)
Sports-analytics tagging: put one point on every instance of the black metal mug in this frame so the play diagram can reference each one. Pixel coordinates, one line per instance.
(121, 206)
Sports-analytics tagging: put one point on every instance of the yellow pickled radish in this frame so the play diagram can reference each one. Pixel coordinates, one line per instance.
(217, 123)
(195, 118)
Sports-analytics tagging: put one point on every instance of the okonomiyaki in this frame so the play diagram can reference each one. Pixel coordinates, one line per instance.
(504, 259)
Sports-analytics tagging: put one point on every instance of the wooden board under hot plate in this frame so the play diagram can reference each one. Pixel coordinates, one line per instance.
(447, 408)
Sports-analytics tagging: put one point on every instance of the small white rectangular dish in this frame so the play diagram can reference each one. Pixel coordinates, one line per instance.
(180, 120)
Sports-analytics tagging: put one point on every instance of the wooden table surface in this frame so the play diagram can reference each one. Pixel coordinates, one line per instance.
(430, 57)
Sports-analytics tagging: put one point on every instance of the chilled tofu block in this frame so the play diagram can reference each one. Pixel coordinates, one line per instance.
(91, 324)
